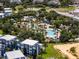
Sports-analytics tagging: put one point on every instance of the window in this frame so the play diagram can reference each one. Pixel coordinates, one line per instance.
(22, 57)
(7, 43)
(0, 47)
(17, 58)
(0, 53)
(22, 46)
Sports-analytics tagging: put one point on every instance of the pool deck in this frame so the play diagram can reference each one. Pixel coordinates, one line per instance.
(51, 33)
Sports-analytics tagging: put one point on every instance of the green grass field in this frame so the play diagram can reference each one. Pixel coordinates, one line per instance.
(66, 9)
(52, 52)
(1, 32)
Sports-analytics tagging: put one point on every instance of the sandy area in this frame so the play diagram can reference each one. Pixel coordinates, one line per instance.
(77, 50)
(64, 48)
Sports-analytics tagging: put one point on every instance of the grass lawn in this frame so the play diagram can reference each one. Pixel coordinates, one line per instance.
(51, 52)
(66, 9)
(1, 32)
(69, 8)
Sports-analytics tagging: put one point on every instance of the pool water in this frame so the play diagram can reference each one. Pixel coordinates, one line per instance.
(51, 33)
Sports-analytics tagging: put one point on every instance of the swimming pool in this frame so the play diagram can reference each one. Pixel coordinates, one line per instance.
(51, 33)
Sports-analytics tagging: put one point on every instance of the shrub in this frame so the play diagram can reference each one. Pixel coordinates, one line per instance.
(72, 49)
(40, 57)
(65, 57)
(75, 55)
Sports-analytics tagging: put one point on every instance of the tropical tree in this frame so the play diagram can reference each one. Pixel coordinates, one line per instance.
(65, 2)
(65, 36)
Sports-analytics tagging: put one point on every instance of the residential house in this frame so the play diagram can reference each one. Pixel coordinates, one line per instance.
(17, 54)
(54, 2)
(9, 41)
(8, 11)
(29, 18)
(15, 1)
(30, 47)
(38, 1)
(2, 15)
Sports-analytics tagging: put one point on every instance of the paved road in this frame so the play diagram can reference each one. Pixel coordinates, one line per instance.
(51, 9)
(62, 13)
(69, 15)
